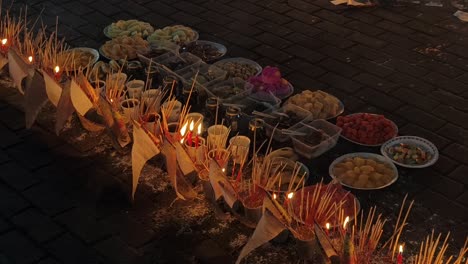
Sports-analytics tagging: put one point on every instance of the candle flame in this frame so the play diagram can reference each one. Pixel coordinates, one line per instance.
(191, 126)
(274, 196)
(327, 225)
(345, 222)
(57, 69)
(199, 129)
(223, 169)
(30, 59)
(183, 130)
(4, 41)
(400, 250)
(290, 195)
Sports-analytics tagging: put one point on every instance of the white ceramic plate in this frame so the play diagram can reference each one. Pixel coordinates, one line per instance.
(377, 157)
(395, 127)
(424, 144)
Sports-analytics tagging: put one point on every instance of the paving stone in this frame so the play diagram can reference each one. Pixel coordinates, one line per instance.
(305, 67)
(370, 54)
(305, 82)
(216, 18)
(454, 133)
(12, 118)
(445, 164)
(48, 261)
(10, 202)
(376, 82)
(19, 249)
(28, 156)
(405, 67)
(332, 17)
(116, 251)
(362, 16)
(17, 177)
(365, 28)
(406, 55)
(345, 56)
(440, 204)
(303, 28)
(413, 98)
(411, 83)
(245, 17)
(401, 41)
(306, 41)
(236, 51)
(367, 40)
(160, 8)
(302, 16)
(242, 41)
(463, 199)
(344, 69)
(78, 8)
(186, 19)
(189, 7)
(457, 152)
(302, 5)
(37, 225)
(83, 225)
(420, 117)
(275, 29)
(333, 28)
(460, 174)
(104, 7)
(442, 68)
(341, 83)
(451, 114)
(394, 27)
(271, 52)
(379, 99)
(425, 28)
(129, 230)
(7, 137)
(372, 67)
(304, 53)
(4, 226)
(335, 40)
(49, 199)
(273, 40)
(389, 15)
(68, 249)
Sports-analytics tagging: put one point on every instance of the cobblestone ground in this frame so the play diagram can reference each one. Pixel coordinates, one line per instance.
(60, 198)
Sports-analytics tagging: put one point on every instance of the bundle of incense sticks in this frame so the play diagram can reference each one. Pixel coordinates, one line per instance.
(26, 43)
(115, 88)
(52, 55)
(434, 252)
(10, 29)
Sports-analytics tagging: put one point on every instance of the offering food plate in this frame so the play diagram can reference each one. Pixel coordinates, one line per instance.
(424, 144)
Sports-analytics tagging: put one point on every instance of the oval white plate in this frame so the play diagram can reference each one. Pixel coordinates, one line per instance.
(423, 143)
(366, 156)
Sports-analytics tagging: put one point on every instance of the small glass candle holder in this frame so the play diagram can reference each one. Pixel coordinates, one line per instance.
(130, 108)
(135, 88)
(196, 149)
(217, 137)
(239, 146)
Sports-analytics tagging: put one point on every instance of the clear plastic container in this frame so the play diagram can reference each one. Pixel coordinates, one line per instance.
(175, 63)
(307, 128)
(294, 113)
(207, 74)
(230, 90)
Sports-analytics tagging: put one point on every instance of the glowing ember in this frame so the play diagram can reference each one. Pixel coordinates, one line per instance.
(290, 195)
(345, 222)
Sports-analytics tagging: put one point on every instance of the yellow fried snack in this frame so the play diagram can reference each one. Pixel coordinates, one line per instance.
(127, 28)
(177, 34)
(363, 173)
(322, 105)
(125, 48)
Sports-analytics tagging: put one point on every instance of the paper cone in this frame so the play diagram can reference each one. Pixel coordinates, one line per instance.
(171, 166)
(18, 69)
(183, 159)
(143, 149)
(90, 125)
(216, 176)
(35, 98)
(114, 122)
(267, 228)
(53, 89)
(64, 109)
(3, 61)
(79, 99)
(229, 194)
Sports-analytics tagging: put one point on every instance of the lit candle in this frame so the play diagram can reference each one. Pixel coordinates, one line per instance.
(189, 135)
(57, 73)
(182, 132)
(345, 223)
(274, 196)
(198, 133)
(4, 47)
(30, 59)
(400, 255)
(290, 195)
(327, 228)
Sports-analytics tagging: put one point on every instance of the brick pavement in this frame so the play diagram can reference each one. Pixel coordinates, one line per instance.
(407, 62)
